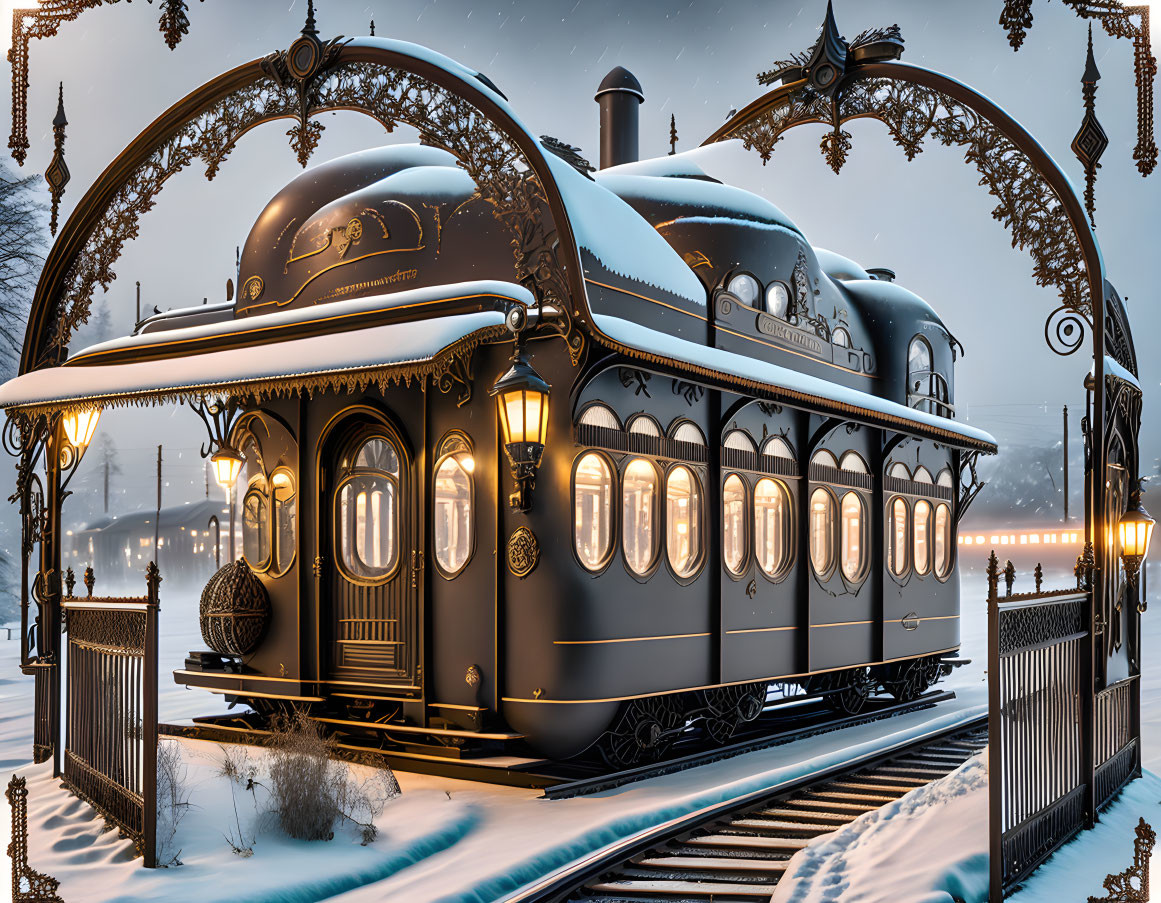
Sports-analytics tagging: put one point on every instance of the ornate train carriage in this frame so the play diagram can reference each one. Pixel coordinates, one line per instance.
(715, 457)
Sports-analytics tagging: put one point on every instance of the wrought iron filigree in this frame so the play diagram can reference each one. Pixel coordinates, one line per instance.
(388, 94)
(28, 885)
(1027, 206)
(1132, 885)
(57, 174)
(1090, 141)
(569, 154)
(969, 483)
(458, 376)
(1016, 19)
(43, 21)
(1034, 625)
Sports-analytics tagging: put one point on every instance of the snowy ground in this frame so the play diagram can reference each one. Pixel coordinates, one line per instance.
(445, 840)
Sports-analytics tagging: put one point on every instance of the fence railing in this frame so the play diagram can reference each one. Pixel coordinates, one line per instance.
(110, 755)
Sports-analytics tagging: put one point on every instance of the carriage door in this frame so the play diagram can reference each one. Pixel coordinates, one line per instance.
(373, 596)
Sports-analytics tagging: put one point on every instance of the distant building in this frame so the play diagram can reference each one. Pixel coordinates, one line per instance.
(118, 547)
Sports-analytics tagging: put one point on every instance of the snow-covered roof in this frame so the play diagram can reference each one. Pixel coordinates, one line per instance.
(881, 297)
(791, 384)
(838, 267)
(374, 349)
(337, 314)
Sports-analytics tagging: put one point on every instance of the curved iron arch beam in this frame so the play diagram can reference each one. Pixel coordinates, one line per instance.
(208, 122)
(799, 106)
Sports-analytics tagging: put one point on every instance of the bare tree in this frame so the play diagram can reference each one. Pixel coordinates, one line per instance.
(23, 237)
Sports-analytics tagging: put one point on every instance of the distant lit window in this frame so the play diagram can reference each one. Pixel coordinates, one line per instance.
(853, 546)
(734, 524)
(592, 510)
(452, 505)
(745, 288)
(639, 515)
(921, 545)
(822, 528)
(683, 521)
(368, 511)
(773, 531)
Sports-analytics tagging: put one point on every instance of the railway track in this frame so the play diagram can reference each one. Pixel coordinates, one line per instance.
(738, 851)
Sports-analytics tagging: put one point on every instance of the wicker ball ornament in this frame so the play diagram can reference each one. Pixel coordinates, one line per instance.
(234, 611)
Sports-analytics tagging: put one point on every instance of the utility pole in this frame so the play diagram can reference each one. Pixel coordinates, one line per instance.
(138, 303)
(207, 479)
(157, 520)
(106, 482)
(1066, 464)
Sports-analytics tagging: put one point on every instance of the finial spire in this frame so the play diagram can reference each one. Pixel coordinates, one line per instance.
(59, 121)
(1091, 73)
(57, 173)
(372, 28)
(311, 27)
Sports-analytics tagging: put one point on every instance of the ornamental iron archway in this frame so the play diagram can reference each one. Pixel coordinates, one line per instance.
(393, 82)
(836, 82)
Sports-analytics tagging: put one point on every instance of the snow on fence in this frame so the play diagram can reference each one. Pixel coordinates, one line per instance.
(110, 756)
(1058, 751)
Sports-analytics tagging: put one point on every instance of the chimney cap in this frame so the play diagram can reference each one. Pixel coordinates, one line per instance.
(622, 80)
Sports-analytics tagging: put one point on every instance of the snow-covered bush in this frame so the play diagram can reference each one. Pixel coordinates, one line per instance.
(172, 800)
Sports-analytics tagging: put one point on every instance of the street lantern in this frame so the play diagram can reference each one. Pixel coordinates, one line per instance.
(522, 400)
(1136, 532)
(79, 427)
(227, 465)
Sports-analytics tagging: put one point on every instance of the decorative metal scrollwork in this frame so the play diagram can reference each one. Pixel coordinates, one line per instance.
(1064, 330)
(523, 552)
(390, 95)
(458, 376)
(1131, 885)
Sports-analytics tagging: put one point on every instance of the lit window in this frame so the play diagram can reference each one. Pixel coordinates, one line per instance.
(773, 539)
(593, 510)
(285, 504)
(683, 521)
(897, 549)
(734, 523)
(841, 338)
(256, 527)
(777, 299)
(638, 515)
(368, 512)
(600, 415)
(822, 516)
(853, 547)
(745, 288)
(452, 504)
(943, 540)
(921, 547)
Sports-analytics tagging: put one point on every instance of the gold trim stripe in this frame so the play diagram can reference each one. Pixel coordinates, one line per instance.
(629, 639)
(625, 291)
(759, 630)
(734, 683)
(842, 624)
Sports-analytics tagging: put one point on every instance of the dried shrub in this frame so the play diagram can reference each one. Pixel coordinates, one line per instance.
(240, 770)
(172, 800)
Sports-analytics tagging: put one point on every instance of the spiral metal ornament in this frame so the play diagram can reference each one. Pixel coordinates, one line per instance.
(1064, 330)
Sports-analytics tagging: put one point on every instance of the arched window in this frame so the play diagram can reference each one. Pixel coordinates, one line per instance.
(943, 543)
(734, 524)
(592, 510)
(688, 432)
(639, 515)
(368, 511)
(921, 546)
(644, 425)
(852, 462)
(777, 447)
(918, 367)
(740, 441)
(745, 288)
(452, 505)
(897, 545)
(853, 546)
(255, 506)
(841, 338)
(822, 524)
(683, 521)
(285, 503)
(945, 478)
(923, 475)
(899, 471)
(773, 527)
(823, 458)
(599, 415)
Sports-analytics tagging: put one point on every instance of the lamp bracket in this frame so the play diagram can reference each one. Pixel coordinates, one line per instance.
(219, 414)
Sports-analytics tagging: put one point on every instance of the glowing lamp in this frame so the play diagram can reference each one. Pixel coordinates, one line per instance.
(1136, 532)
(227, 464)
(79, 427)
(522, 401)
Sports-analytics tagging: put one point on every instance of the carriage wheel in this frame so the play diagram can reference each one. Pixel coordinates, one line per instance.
(852, 698)
(907, 681)
(727, 708)
(643, 731)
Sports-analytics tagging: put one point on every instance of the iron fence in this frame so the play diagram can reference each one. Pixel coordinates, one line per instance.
(110, 755)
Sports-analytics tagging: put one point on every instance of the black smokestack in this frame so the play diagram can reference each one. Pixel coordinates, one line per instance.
(619, 95)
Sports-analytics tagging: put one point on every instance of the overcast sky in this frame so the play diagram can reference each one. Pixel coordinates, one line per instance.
(929, 220)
